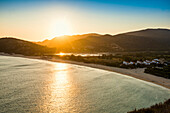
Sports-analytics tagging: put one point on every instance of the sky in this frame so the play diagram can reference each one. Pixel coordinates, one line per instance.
(37, 20)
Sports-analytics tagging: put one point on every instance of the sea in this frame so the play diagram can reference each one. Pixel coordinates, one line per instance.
(39, 86)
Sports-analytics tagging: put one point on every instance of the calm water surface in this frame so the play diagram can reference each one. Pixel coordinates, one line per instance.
(28, 85)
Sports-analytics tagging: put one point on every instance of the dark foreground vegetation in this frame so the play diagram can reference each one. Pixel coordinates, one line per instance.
(158, 108)
(159, 71)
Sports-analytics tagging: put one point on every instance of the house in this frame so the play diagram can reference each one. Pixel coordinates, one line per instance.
(157, 63)
(132, 63)
(146, 63)
(153, 61)
(156, 60)
(125, 63)
(139, 62)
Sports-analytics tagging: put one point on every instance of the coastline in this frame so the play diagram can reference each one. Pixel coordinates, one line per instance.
(136, 73)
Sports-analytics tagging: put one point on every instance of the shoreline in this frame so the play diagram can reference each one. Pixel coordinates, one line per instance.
(135, 73)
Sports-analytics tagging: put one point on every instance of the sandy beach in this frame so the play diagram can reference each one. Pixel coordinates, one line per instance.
(136, 73)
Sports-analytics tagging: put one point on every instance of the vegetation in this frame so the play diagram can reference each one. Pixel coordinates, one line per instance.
(159, 71)
(103, 60)
(17, 46)
(117, 59)
(158, 108)
(144, 40)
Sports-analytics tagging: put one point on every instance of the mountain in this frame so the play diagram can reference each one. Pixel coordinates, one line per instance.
(143, 40)
(152, 33)
(64, 40)
(17, 46)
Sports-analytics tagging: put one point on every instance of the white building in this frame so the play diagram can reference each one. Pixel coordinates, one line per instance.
(153, 61)
(125, 63)
(132, 63)
(146, 63)
(156, 60)
(139, 62)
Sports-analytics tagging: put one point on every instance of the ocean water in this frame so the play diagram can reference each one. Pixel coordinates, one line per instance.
(29, 85)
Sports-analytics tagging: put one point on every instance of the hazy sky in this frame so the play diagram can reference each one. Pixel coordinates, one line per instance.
(44, 19)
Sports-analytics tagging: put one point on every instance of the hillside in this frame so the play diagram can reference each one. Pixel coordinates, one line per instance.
(66, 43)
(143, 40)
(149, 39)
(17, 46)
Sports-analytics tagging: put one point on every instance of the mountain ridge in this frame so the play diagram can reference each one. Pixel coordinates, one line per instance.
(141, 40)
(18, 46)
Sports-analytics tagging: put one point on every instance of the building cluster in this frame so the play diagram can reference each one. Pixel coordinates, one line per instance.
(146, 62)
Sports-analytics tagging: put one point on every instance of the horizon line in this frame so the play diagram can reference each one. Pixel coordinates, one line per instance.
(75, 34)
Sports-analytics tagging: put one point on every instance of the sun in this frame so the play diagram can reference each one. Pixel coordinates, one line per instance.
(61, 54)
(60, 27)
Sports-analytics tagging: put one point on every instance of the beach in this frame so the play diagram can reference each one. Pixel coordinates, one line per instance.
(136, 73)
